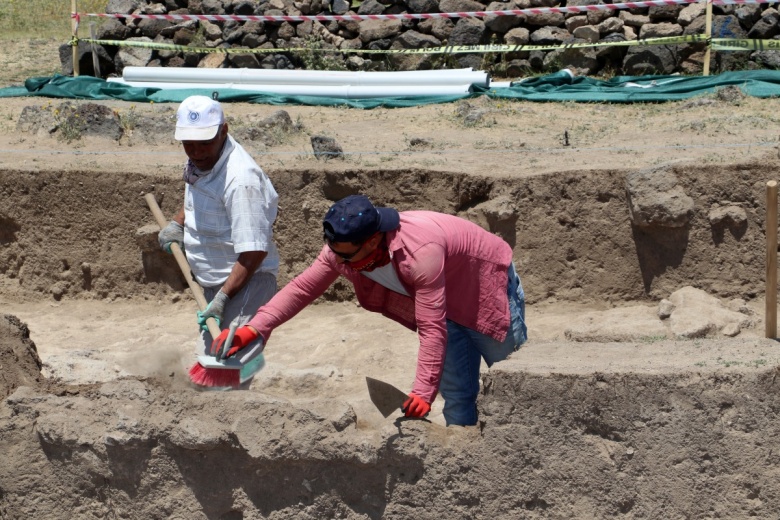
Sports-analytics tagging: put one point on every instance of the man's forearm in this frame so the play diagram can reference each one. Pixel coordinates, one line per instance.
(179, 217)
(245, 266)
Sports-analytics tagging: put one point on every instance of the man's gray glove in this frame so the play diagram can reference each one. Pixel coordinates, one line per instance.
(173, 232)
(214, 310)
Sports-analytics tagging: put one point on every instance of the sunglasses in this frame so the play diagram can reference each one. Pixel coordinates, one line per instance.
(349, 256)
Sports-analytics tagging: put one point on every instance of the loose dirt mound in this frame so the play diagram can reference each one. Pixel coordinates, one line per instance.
(19, 361)
(645, 439)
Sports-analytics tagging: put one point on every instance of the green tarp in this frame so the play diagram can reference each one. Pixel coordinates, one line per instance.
(639, 89)
(560, 86)
(87, 87)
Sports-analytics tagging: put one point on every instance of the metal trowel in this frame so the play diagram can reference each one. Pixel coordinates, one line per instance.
(386, 397)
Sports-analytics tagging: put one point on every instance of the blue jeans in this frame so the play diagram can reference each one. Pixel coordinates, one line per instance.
(465, 350)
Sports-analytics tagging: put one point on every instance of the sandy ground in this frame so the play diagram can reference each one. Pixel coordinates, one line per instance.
(514, 140)
(326, 351)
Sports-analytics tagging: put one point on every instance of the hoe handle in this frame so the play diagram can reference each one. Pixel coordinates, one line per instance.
(196, 289)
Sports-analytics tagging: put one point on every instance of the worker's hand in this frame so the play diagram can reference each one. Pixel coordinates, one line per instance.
(244, 336)
(214, 310)
(173, 232)
(415, 406)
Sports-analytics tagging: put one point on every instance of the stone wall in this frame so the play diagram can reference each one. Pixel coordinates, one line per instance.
(729, 21)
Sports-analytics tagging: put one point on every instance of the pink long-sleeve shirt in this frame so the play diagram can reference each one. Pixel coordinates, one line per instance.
(451, 268)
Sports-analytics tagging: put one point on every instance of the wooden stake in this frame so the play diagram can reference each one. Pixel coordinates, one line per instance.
(95, 61)
(708, 34)
(75, 24)
(770, 314)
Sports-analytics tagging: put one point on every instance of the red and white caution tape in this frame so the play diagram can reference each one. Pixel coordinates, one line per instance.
(740, 2)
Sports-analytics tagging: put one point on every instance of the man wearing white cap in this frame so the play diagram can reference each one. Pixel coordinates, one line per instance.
(226, 223)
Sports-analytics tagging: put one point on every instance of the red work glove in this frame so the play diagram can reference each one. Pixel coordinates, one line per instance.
(244, 336)
(415, 406)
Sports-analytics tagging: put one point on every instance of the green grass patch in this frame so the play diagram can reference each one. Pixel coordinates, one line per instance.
(45, 18)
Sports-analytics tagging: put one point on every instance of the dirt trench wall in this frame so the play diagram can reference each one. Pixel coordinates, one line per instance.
(73, 234)
(610, 445)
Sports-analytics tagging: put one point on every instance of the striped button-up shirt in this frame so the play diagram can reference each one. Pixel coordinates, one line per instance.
(228, 211)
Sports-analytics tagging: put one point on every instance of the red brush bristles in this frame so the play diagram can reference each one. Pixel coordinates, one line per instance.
(215, 377)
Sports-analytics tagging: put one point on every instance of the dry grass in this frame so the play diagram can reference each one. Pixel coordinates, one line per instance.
(43, 18)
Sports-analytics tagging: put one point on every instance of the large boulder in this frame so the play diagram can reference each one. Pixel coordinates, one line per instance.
(656, 199)
(610, 25)
(93, 120)
(696, 314)
(112, 29)
(689, 13)
(728, 27)
(747, 14)
(517, 36)
(412, 40)
(550, 36)
(326, 148)
(545, 19)
(660, 30)
(767, 27)
(133, 56)
(575, 22)
(467, 31)
(457, 6)
(375, 7)
(212, 6)
(767, 59)
(340, 6)
(588, 33)
(633, 20)
(423, 6)
(664, 13)
(582, 61)
(650, 59)
(38, 121)
(86, 67)
(151, 27)
(502, 24)
(596, 17)
(441, 28)
(371, 30)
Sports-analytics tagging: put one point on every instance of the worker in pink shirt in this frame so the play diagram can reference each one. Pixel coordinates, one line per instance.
(443, 276)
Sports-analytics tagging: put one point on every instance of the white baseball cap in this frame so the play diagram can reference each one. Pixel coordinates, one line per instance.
(198, 119)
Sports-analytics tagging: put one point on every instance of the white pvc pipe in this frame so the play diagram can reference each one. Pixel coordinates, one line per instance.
(305, 77)
(338, 91)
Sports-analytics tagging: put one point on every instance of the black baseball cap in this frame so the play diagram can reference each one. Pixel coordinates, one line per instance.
(354, 219)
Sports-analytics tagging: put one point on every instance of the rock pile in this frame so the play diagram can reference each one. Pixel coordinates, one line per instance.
(69, 121)
(731, 21)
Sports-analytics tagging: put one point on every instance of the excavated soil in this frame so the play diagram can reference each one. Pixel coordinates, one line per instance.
(622, 421)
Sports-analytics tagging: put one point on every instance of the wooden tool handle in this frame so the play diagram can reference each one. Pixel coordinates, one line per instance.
(196, 289)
